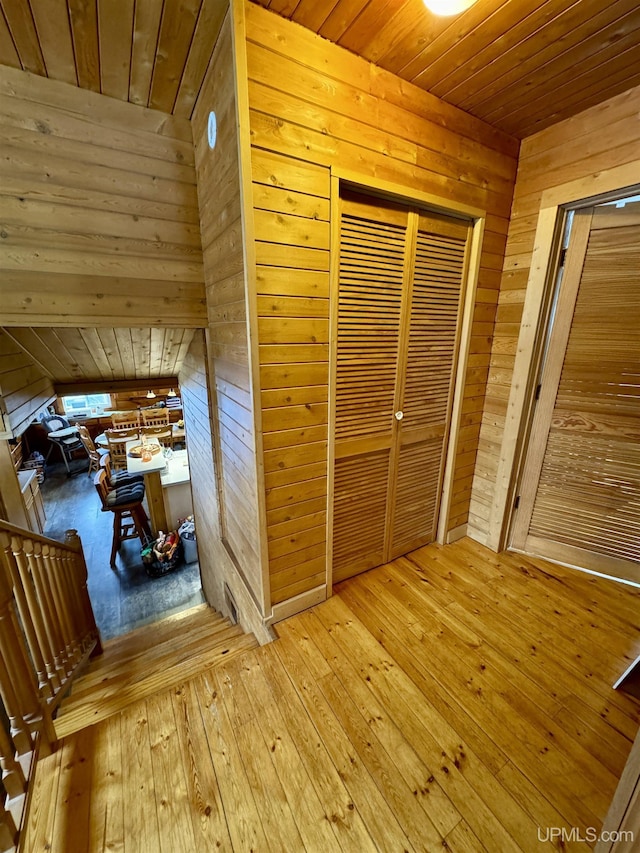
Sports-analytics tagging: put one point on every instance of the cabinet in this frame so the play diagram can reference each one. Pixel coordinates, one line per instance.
(400, 296)
(33, 503)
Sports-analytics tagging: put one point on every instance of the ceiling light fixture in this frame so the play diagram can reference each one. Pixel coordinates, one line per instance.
(150, 395)
(448, 7)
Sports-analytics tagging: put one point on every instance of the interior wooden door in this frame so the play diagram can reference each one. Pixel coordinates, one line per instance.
(399, 309)
(580, 491)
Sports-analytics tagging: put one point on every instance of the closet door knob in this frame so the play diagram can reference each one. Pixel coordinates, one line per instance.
(399, 416)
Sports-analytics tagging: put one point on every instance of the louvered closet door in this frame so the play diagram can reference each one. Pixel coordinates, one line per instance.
(426, 380)
(580, 499)
(373, 269)
(399, 303)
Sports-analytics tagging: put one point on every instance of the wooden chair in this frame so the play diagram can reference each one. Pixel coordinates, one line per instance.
(164, 434)
(129, 518)
(125, 420)
(117, 440)
(92, 451)
(155, 417)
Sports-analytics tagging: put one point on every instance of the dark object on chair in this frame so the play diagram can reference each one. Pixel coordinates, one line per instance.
(68, 444)
(118, 478)
(129, 518)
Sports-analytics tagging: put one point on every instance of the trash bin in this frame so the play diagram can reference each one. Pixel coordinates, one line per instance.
(187, 531)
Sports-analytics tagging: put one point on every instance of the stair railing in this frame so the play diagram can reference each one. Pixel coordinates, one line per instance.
(47, 631)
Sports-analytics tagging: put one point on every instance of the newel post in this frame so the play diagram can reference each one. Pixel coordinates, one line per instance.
(72, 540)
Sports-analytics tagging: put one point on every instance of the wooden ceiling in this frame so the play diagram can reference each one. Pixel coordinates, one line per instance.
(86, 356)
(520, 65)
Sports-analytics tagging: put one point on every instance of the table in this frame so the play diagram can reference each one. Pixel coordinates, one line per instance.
(178, 434)
(152, 482)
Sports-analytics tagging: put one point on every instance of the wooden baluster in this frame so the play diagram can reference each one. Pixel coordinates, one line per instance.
(54, 645)
(40, 652)
(17, 682)
(68, 569)
(8, 831)
(51, 558)
(73, 540)
(12, 775)
(19, 593)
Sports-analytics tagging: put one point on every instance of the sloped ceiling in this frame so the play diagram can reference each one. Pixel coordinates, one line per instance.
(86, 356)
(520, 65)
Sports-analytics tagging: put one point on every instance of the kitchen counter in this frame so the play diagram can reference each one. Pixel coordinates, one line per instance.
(25, 478)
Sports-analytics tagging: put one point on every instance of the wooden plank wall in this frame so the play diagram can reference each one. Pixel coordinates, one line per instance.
(222, 240)
(99, 213)
(314, 106)
(195, 408)
(24, 389)
(598, 139)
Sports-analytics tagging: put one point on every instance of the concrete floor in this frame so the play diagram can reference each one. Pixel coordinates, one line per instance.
(124, 598)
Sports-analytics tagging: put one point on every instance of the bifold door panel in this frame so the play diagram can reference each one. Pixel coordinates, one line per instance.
(580, 490)
(399, 307)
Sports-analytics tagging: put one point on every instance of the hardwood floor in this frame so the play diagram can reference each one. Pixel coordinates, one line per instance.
(126, 597)
(454, 699)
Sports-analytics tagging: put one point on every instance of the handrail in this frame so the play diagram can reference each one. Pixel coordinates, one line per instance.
(35, 537)
(47, 631)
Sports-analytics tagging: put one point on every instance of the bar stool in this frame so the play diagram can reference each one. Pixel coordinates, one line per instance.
(118, 478)
(129, 518)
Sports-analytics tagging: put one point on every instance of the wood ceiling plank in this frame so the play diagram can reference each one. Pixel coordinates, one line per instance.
(172, 341)
(112, 351)
(529, 57)
(607, 87)
(208, 26)
(8, 53)
(179, 18)
(51, 19)
(312, 14)
(286, 8)
(571, 83)
(453, 32)
(141, 340)
(490, 41)
(402, 35)
(25, 37)
(155, 352)
(76, 346)
(30, 343)
(125, 348)
(185, 343)
(94, 345)
(55, 343)
(367, 25)
(84, 29)
(342, 16)
(115, 29)
(146, 27)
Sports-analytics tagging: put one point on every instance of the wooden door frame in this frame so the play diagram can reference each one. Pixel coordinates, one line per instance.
(404, 195)
(555, 202)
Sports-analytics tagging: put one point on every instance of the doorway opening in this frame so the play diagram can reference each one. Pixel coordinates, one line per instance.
(578, 488)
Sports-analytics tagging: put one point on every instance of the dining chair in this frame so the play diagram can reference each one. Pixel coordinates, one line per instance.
(155, 417)
(164, 434)
(93, 452)
(129, 518)
(117, 441)
(125, 420)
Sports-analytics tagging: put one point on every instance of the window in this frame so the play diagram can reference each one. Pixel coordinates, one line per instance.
(86, 404)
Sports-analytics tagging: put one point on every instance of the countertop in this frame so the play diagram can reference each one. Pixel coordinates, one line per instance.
(25, 477)
(177, 470)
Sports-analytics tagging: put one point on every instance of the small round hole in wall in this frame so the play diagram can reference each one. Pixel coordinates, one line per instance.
(212, 129)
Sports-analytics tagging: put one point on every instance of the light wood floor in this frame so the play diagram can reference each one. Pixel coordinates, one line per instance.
(452, 700)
